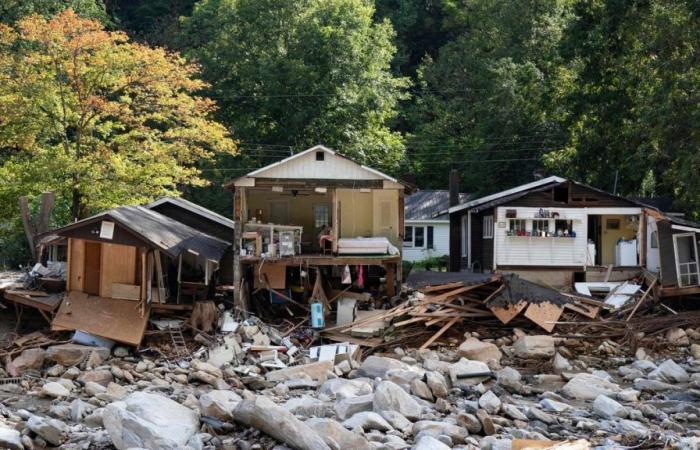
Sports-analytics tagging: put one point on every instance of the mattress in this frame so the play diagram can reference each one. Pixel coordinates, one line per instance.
(366, 246)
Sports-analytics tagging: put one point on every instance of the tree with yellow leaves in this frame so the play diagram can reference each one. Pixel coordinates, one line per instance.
(97, 119)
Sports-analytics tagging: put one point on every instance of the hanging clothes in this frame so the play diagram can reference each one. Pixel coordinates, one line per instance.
(347, 276)
(361, 277)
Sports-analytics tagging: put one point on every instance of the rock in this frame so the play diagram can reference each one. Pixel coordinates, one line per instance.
(54, 389)
(461, 373)
(584, 386)
(316, 371)
(429, 443)
(367, 420)
(10, 439)
(437, 384)
(642, 384)
(389, 396)
(30, 359)
(348, 407)
(263, 414)
(440, 428)
(554, 406)
(628, 395)
(513, 412)
(69, 355)
(219, 404)
(608, 408)
(308, 406)
(396, 420)
(205, 367)
(421, 390)
(670, 372)
(677, 337)
(337, 436)
(52, 431)
(490, 402)
(100, 376)
(342, 388)
(538, 414)
(534, 347)
(561, 364)
(486, 422)
(149, 421)
(470, 422)
(92, 389)
(378, 366)
(476, 350)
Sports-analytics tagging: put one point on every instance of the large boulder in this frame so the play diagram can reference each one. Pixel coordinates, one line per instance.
(263, 414)
(534, 347)
(337, 436)
(10, 439)
(150, 421)
(378, 366)
(219, 404)
(30, 359)
(69, 355)
(477, 350)
(669, 372)
(585, 386)
(389, 396)
(52, 431)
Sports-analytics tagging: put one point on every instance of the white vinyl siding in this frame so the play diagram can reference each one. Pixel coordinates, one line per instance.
(441, 241)
(540, 251)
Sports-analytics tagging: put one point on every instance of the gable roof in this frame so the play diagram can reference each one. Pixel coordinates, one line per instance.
(430, 205)
(161, 232)
(523, 188)
(193, 208)
(304, 165)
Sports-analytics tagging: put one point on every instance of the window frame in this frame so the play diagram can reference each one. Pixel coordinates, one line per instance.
(487, 230)
(409, 239)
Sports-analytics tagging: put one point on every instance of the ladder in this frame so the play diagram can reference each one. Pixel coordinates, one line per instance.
(178, 341)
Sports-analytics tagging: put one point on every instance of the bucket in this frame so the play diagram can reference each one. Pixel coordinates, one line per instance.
(317, 319)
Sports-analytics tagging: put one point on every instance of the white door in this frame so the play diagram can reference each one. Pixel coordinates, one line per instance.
(653, 256)
(686, 259)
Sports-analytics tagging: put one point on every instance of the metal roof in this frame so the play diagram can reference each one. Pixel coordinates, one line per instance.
(164, 233)
(194, 208)
(430, 205)
(508, 192)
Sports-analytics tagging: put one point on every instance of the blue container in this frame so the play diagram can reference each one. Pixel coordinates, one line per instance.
(317, 319)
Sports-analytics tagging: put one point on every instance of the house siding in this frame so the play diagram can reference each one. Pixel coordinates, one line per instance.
(441, 241)
(667, 252)
(482, 250)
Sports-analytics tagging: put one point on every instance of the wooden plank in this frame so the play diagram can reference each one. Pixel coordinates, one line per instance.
(126, 291)
(117, 266)
(585, 310)
(440, 332)
(76, 269)
(641, 300)
(544, 314)
(112, 318)
(507, 313)
(440, 287)
(276, 275)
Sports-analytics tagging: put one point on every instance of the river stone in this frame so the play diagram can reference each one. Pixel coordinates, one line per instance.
(10, 439)
(52, 431)
(670, 372)
(219, 404)
(348, 407)
(29, 359)
(429, 443)
(389, 396)
(54, 389)
(490, 402)
(367, 420)
(337, 436)
(149, 421)
(608, 408)
(69, 355)
(378, 366)
(584, 386)
(465, 367)
(476, 350)
(341, 388)
(534, 347)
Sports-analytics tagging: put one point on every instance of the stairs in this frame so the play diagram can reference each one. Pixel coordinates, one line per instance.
(178, 340)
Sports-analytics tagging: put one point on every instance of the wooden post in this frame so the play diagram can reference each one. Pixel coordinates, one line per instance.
(69, 269)
(390, 279)
(144, 276)
(336, 221)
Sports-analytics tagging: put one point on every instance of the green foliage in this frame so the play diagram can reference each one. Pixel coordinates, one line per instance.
(13, 10)
(156, 22)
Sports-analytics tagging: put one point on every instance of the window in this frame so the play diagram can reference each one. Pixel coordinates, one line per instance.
(561, 194)
(419, 237)
(320, 156)
(517, 227)
(431, 238)
(488, 227)
(322, 215)
(563, 227)
(654, 240)
(539, 226)
(686, 259)
(408, 236)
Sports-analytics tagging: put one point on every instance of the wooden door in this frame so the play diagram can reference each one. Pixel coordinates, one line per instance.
(93, 263)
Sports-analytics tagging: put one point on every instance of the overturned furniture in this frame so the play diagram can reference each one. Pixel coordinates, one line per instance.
(128, 260)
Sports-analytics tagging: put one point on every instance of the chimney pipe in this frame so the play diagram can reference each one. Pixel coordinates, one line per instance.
(454, 187)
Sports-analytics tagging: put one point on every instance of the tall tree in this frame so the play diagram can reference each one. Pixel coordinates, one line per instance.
(156, 22)
(485, 103)
(13, 10)
(298, 73)
(96, 119)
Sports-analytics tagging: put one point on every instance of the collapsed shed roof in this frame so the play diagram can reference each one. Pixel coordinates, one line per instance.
(155, 230)
(430, 205)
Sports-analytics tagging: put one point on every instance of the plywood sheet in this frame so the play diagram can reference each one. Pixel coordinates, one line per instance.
(118, 266)
(115, 319)
(77, 264)
(544, 314)
(506, 314)
(126, 291)
(276, 275)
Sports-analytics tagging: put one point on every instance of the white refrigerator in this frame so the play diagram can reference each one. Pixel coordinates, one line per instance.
(626, 253)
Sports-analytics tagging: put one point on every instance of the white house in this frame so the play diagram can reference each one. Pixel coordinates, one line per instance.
(427, 225)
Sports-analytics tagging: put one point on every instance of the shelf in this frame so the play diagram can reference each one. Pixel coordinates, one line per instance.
(544, 237)
(544, 218)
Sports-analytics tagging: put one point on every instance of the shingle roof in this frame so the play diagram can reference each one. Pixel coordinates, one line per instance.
(193, 207)
(429, 205)
(164, 233)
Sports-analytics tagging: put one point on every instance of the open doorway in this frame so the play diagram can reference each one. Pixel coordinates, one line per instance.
(686, 259)
(614, 238)
(93, 262)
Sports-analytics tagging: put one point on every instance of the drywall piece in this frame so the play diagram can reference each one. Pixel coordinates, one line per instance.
(346, 310)
(506, 314)
(544, 314)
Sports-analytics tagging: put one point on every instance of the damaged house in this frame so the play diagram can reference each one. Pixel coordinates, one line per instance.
(317, 210)
(125, 262)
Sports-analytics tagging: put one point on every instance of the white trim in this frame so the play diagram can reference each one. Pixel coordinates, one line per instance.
(603, 211)
(426, 221)
(515, 190)
(678, 263)
(685, 228)
(488, 227)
